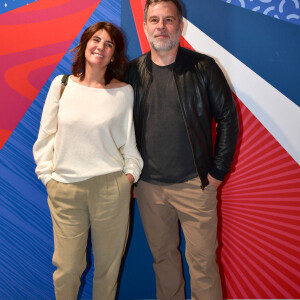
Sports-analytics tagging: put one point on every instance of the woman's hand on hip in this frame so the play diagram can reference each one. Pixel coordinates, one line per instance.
(130, 178)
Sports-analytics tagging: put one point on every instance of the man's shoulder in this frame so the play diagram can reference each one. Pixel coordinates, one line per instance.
(138, 61)
(196, 56)
(135, 69)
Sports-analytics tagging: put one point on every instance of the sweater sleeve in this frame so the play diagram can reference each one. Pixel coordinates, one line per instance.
(43, 148)
(133, 160)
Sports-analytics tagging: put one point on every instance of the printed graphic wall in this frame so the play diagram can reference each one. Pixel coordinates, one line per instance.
(257, 44)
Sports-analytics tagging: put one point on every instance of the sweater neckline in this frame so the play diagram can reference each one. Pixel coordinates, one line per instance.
(95, 88)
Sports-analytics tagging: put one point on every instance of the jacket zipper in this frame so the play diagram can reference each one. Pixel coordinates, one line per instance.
(143, 119)
(186, 127)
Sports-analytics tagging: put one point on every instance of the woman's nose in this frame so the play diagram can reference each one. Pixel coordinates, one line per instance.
(100, 45)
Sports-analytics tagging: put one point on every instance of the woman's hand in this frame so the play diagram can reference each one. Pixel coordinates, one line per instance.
(130, 178)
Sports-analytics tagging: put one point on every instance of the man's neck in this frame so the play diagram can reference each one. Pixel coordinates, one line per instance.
(164, 58)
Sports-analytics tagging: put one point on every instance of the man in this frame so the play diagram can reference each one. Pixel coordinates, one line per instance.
(177, 94)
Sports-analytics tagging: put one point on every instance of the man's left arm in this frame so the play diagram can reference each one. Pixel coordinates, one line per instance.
(225, 115)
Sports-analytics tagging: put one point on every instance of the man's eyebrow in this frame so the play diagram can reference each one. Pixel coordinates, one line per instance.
(166, 17)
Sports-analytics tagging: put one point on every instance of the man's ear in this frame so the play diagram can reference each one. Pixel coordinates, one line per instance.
(181, 27)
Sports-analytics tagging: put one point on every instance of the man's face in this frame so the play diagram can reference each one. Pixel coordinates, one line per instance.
(163, 27)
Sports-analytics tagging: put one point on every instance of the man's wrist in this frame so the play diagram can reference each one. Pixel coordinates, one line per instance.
(213, 181)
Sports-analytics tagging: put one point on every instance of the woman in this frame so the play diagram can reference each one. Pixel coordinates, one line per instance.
(86, 156)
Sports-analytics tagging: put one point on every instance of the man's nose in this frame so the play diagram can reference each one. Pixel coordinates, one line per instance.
(161, 24)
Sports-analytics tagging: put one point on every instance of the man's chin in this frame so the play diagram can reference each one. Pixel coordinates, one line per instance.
(162, 47)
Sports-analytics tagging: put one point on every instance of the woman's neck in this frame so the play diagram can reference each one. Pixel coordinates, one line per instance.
(94, 77)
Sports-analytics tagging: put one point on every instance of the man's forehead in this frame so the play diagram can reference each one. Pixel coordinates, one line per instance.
(162, 8)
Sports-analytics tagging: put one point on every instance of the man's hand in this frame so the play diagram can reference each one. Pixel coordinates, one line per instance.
(213, 181)
(130, 178)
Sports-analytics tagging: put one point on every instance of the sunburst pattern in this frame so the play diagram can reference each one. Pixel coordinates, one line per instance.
(259, 217)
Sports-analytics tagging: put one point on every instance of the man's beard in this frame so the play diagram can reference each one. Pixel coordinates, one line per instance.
(164, 45)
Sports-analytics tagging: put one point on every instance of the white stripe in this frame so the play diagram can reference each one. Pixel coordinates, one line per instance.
(276, 112)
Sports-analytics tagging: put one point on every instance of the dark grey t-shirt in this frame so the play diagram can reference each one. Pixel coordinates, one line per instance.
(166, 149)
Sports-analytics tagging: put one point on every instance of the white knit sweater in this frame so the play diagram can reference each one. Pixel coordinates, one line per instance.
(86, 133)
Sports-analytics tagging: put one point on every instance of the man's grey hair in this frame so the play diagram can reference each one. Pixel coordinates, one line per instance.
(176, 2)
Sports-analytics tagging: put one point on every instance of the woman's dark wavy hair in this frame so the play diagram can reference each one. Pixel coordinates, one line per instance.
(116, 68)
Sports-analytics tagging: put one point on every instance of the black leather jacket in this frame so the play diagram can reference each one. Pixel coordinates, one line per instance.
(203, 94)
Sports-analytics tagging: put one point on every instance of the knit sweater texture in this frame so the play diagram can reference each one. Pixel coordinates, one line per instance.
(87, 132)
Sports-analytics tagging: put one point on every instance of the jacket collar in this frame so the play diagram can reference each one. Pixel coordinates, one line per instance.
(178, 59)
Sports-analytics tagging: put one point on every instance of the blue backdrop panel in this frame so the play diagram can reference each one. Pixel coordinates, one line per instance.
(286, 10)
(268, 46)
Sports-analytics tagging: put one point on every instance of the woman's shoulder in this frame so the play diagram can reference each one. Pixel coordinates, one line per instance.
(56, 82)
(126, 91)
(57, 78)
(115, 83)
(55, 85)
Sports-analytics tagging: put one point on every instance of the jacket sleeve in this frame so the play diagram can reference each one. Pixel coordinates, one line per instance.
(43, 148)
(133, 161)
(225, 115)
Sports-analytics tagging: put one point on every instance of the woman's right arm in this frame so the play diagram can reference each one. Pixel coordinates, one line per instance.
(43, 149)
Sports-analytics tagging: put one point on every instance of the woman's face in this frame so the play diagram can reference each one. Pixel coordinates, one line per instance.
(100, 49)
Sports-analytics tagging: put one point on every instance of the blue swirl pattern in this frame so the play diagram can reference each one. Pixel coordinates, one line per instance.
(286, 10)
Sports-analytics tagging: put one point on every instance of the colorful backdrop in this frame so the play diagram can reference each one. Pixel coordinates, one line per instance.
(257, 44)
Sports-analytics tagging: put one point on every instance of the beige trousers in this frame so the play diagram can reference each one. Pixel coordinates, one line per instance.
(102, 205)
(161, 208)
